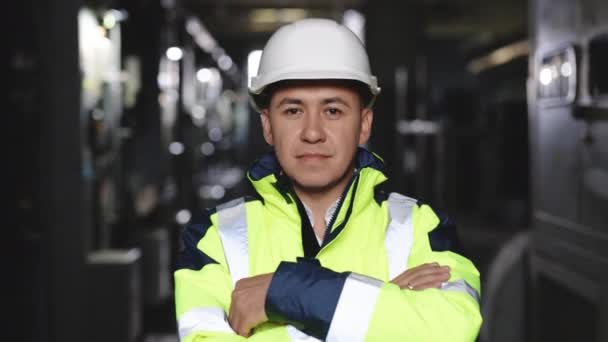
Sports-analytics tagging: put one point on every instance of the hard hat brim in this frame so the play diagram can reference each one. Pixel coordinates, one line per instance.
(259, 83)
(260, 99)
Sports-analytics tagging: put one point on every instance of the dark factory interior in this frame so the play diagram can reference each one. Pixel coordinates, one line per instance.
(128, 118)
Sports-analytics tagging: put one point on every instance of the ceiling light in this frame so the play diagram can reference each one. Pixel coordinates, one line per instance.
(174, 53)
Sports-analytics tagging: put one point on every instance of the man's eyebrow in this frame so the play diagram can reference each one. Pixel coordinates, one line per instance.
(289, 100)
(335, 99)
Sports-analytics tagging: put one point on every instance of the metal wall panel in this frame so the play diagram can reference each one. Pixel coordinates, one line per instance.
(570, 179)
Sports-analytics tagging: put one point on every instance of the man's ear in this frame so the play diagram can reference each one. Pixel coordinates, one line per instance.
(267, 129)
(367, 118)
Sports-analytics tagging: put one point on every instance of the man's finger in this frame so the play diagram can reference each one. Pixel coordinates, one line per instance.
(442, 274)
(238, 326)
(409, 273)
(429, 285)
(416, 269)
(420, 283)
(247, 307)
(417, 272)
(241, 326)
(243, 331)
(429, 265)
(422, 276)
(429, 270)
(232, 321)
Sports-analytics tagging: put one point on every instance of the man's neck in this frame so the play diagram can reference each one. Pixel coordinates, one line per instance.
(319, 201)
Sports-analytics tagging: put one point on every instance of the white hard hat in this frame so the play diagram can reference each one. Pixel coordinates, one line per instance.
(313, 49)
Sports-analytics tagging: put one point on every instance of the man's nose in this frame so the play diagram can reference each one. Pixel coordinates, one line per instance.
(313, 131)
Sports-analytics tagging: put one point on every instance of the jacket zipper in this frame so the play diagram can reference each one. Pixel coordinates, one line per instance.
(334, 216)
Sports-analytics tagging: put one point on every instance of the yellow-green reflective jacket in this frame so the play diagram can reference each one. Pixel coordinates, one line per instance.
(341, 292)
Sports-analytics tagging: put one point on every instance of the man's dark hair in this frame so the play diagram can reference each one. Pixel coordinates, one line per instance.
(365, 95)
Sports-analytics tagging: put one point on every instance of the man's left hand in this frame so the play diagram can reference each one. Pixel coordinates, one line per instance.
(248, 299)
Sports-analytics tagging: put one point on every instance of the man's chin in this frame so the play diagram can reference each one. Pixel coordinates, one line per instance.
(319, 181)
(313, 185)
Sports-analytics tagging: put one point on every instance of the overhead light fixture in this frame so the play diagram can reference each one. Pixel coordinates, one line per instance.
(204, 75)
(201, 35)
(274, 16)
(224, 62)
(264, 16)
(207, 148)
(175, 53)
(208, 44)
(183, 216)
(176, 148)
(112, 17)
(499, 56)
(288, 15)
(557, 83)
(545, 76)
(109, 20)
(566, 69)
(253, 64)
(355, 21)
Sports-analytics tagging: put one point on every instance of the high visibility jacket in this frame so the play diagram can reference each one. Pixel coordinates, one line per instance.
(339, 292)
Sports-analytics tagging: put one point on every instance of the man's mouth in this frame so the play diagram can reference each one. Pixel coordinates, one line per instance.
(312, 156)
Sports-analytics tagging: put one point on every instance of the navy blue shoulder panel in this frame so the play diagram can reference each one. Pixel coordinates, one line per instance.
(380, 193)
(444, 237)
(191, 257)
(365, 158)
(267, 164)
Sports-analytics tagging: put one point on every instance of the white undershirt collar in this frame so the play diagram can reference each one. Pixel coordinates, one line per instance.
(329, 213)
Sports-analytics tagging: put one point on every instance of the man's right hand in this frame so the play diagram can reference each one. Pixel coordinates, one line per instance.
(423, 277)
(247, 307)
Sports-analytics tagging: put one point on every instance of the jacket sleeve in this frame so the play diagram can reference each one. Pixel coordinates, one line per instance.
(203, 287)
(203, 290)
(352, 307)
(450, 313)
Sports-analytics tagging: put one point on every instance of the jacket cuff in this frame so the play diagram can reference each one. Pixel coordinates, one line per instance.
(305, 295)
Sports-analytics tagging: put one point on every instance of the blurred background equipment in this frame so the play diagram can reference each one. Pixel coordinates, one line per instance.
(127, 118)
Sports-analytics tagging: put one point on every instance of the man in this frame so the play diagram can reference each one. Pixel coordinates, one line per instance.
(321, 253)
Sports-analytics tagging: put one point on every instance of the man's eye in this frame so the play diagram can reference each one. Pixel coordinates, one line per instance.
(292, 111)
(333, 111)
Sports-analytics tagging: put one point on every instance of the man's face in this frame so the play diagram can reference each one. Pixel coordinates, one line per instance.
(315, 128)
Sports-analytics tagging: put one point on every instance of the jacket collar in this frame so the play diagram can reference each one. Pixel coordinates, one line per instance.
(274, 187)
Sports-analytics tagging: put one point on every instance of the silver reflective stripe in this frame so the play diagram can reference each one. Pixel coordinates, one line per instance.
(297, 335)
(461, 286)
(203, 319)
(232, 227)
(355, 308)
(399, 234)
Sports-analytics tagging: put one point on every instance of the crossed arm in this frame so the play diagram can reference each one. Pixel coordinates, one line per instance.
(417, 305)
(248, 308)
(380, 311)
